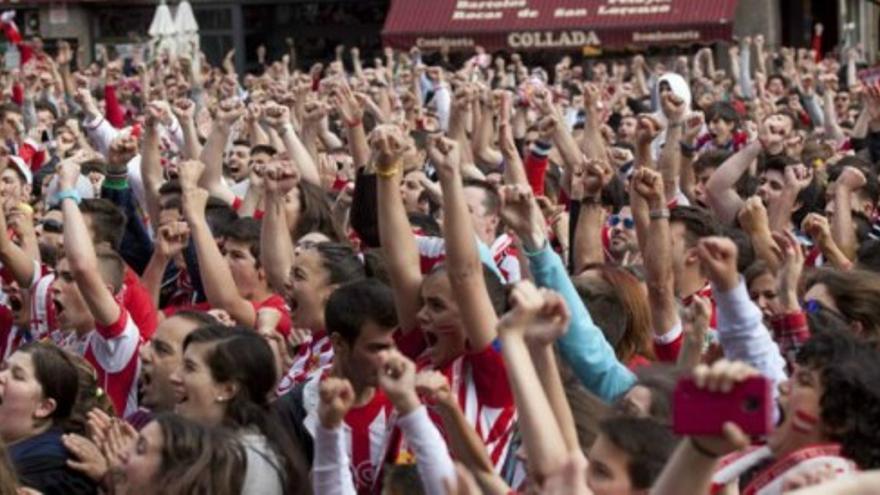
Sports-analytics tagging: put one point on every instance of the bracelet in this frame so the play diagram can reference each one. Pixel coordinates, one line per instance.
(662, 213)
(703, 450)
(68, 194)
(353, 123)
(591, 200)
(388, 172)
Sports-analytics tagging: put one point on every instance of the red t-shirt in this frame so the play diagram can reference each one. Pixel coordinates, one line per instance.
(139, 303)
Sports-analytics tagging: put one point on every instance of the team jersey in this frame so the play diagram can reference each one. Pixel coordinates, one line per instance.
(372, 435)
(41, 306)
(139, 303)
(479, 382)
(11, 335)
(313, 358)
(755, 471)
(113, 351)
(432, 251)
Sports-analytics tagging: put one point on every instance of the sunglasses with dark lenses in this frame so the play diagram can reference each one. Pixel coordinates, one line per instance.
(53, 226)
(628, 222)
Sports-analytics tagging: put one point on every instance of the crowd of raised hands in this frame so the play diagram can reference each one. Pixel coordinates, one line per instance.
(440, 274)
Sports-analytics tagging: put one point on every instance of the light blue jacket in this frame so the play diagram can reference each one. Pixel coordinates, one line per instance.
(583, 346)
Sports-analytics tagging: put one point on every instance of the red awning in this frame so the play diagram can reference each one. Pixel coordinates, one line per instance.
(523, 25)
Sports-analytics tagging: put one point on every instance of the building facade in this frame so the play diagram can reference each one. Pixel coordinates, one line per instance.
(316, 27)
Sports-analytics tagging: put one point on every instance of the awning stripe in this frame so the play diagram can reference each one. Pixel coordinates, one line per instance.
(498, 24)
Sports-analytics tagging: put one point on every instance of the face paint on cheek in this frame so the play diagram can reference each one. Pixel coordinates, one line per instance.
(804, 422)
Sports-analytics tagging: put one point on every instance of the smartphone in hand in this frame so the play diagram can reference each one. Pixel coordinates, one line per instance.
(698, 412)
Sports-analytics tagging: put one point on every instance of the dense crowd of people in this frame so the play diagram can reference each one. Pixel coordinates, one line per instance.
(429, 276)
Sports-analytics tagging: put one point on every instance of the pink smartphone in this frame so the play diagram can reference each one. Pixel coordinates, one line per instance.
(700, 412)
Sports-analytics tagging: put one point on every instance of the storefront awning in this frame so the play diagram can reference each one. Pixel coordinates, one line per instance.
(524, 25)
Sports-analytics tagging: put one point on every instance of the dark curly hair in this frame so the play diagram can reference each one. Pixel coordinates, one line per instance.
(850, 403)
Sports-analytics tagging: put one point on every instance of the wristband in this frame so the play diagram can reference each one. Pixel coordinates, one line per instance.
(687, 148)
(591, 200)
(389, 171)
(353, 123)
(118, 183)
(662, 213)
(68, 194)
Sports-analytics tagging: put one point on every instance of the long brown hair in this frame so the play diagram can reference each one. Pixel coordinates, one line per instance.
(856, 294)
(619, 307)
(199, 460)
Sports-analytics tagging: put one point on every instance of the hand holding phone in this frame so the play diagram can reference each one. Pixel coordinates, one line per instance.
(724, 393)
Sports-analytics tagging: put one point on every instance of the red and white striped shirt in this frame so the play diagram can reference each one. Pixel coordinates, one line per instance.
(41, 306)
(479, 381)
(372, 435)
(313, 358)
(11, 335)
(113, 351)
(432, 251)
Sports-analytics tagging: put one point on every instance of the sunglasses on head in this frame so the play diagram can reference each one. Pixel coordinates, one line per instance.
(628, 223)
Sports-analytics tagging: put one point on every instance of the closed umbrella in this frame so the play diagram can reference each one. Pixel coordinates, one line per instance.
(162, 30)
(187, 31)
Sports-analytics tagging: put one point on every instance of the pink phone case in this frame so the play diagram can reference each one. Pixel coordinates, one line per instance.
(700, 412)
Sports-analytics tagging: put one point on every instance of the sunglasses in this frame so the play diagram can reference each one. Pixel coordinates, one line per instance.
(628, 222)
(54, 226)
(813, 307)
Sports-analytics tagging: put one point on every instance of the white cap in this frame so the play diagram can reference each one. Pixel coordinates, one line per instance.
(22, 168)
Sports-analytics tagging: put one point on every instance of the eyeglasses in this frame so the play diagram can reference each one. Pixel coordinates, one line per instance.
(628, 222)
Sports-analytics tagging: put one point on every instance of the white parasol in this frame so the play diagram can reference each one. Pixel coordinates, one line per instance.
(162, 30)
(187, 31)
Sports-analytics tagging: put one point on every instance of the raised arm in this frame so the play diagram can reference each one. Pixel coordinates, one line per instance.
(15, 259)
(228, 112)
(464, 442)
(464, 267)
(353, 117)
(647, 186)
(741, 330)
(432, 455)
(669, 161)
(276, 244)
(484, 131)
(543, 440)
(720, 189)
(514, 170)
(583, 346)
(395, 234)
(80, 252)
(217, 280)
(184, 109)
(151, 166)
(586, 187)
(843, 230)
(171, 239)
(278, 116)
(593, 144)
(755, 223)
